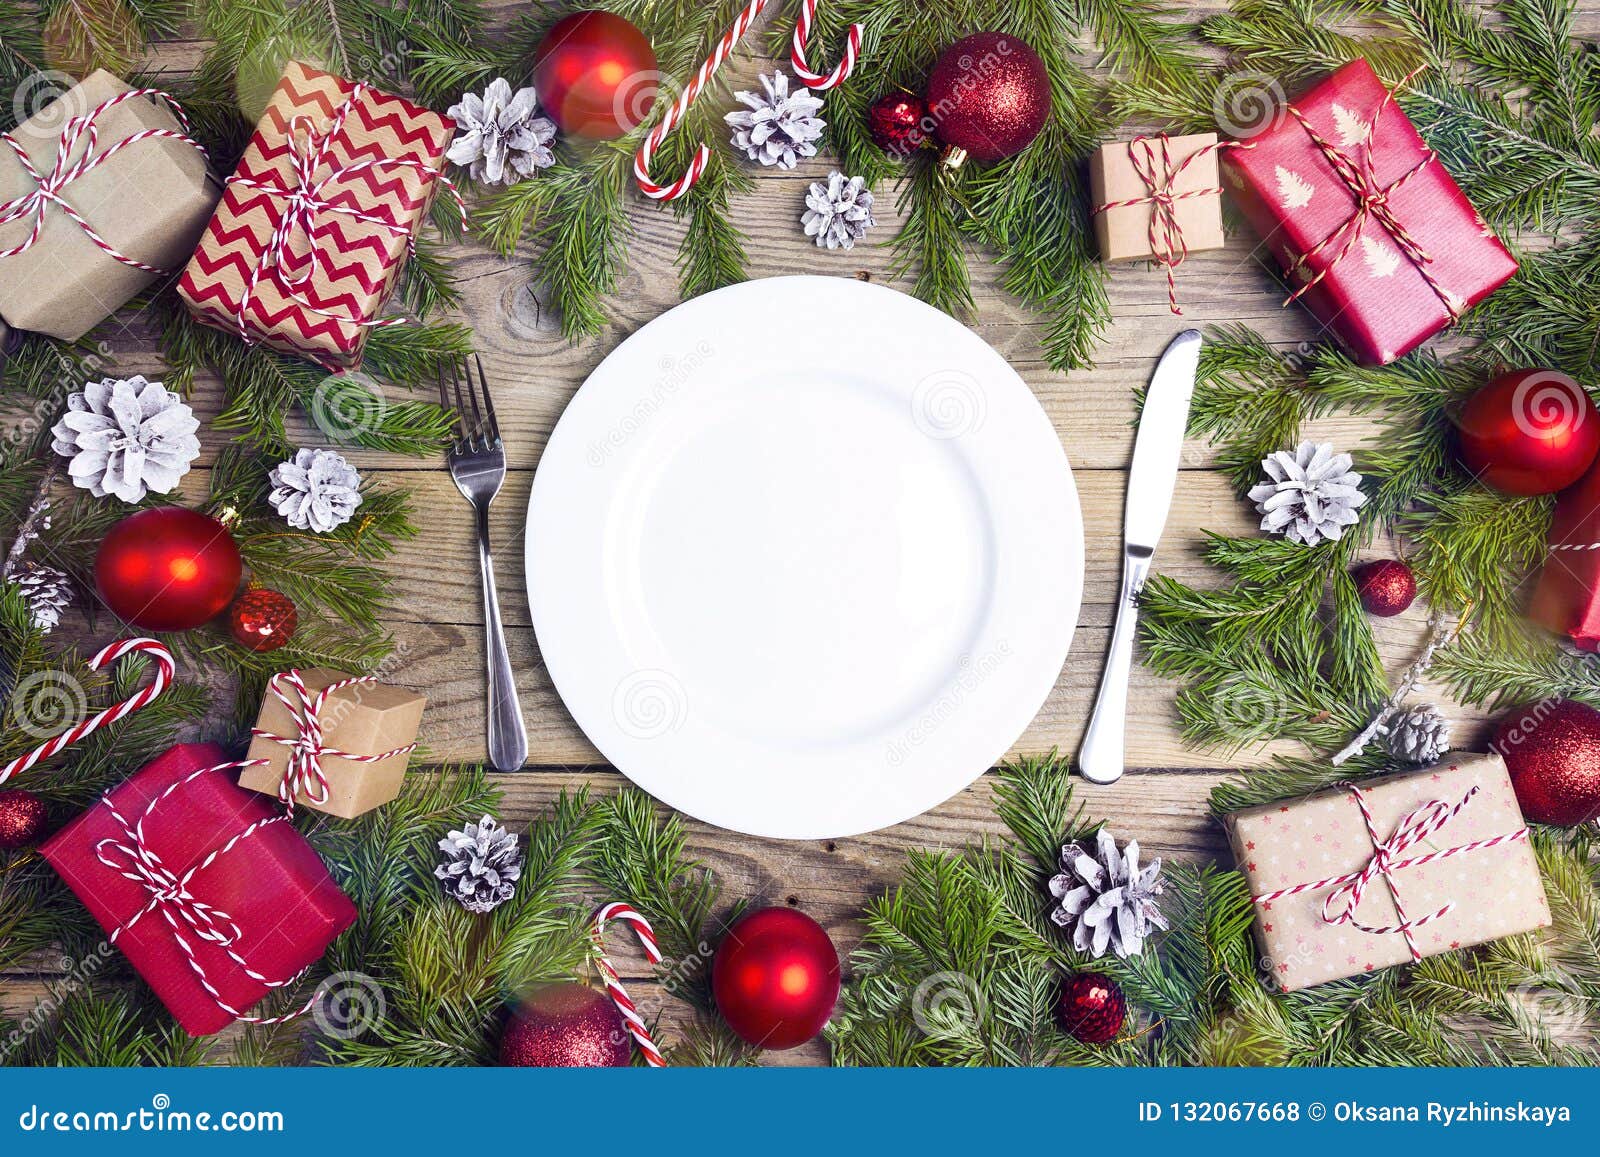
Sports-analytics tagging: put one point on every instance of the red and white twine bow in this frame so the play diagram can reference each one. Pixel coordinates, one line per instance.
(165, 669)
(619, 996)
(50, 188)
(186, 915)
(1359, 174)
(303, 776)
(819, 82)
(1159, 176)
(304, 193)
(1340, 905)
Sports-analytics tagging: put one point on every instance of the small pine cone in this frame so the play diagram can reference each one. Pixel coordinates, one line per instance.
(482, 865)
(1418, 735)
(46, 590)
(839, 213)
(780, 127)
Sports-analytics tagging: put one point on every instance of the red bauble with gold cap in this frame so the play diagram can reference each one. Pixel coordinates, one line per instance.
(776, 978)
(167, 569)
(988, 97)
(596, 75)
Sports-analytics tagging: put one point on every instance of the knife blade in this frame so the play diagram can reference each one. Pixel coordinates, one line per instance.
(1157, 450)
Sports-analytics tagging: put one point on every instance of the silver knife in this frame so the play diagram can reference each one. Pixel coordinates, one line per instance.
(1151, 480)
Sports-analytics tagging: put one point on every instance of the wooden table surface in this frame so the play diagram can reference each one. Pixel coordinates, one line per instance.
(437, 618)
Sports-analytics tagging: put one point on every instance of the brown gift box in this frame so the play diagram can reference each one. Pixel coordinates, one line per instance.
(1124, 232)
(151, 201)
(366, 719)
(1493, 891)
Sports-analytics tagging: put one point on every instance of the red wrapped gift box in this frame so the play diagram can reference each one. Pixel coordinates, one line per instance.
(265, 894)
(1381, 244)
(316, 221)
(1567, 597)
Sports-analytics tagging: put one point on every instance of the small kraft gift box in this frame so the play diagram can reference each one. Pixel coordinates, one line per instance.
(332, 742)
(317, 221)
(1388, 870)
(208, 890)
(1377, 238)
(102, 192)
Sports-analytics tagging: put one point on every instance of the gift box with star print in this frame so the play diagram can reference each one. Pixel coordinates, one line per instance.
(1371, 231)
(1444, 864)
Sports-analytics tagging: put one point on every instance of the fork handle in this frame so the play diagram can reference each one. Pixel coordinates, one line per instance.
(508, 738)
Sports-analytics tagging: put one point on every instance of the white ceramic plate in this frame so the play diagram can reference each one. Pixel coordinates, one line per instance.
(804, 557)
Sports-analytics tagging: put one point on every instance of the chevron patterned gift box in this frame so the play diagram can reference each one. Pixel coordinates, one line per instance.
(316, 223)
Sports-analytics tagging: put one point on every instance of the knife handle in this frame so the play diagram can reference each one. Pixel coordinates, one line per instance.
(1100, 757)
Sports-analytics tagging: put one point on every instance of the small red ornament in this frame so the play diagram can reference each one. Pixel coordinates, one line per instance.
(894, 121)
(988, 96)
(167, 569)
(263, 619)
(22, 819)
(776, 978)
(596, 75)
(1552, 750)
(566, 1026)
(1091, 1008)
(1529, 432)
(1386, 586)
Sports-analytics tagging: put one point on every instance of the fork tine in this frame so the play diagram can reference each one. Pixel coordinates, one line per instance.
(488, 399)
(472, 398)
(468, 429)
(444, 402)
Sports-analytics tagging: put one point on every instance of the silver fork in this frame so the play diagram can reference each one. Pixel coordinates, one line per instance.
(477, 461)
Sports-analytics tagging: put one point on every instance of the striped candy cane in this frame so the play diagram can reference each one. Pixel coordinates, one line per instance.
(165, 669)
(708, 68)
(614, 989)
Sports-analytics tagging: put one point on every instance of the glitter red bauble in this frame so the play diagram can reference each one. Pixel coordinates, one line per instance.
(167, 569)
(776, 978)
(22, 818)
(1091, 1008)
(1386, 586)
(1552, 749)
(894, 121)
(565, 1026)
(1529, 432)
(988, 96)
(596, 75)
(263, 619)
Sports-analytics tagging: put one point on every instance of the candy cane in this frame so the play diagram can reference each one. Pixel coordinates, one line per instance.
(708, 68)
(165, 669)
(614, 989)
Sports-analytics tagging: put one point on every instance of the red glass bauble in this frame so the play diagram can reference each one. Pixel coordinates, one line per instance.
(167, 569)
(894, 121)
(776, 978)
(596, 75)
(988, 96)
(1386, 586)
(22, 818)
(566, 1026)
(263, 619)
(1091, 1008)
(1529, 432)
(1552, 749)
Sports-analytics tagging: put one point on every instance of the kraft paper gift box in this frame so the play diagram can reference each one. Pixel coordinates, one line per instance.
(1488, 880)
(366, 719)
(150, 201)
(1184, 167)
(258, 889)
(377, 161)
